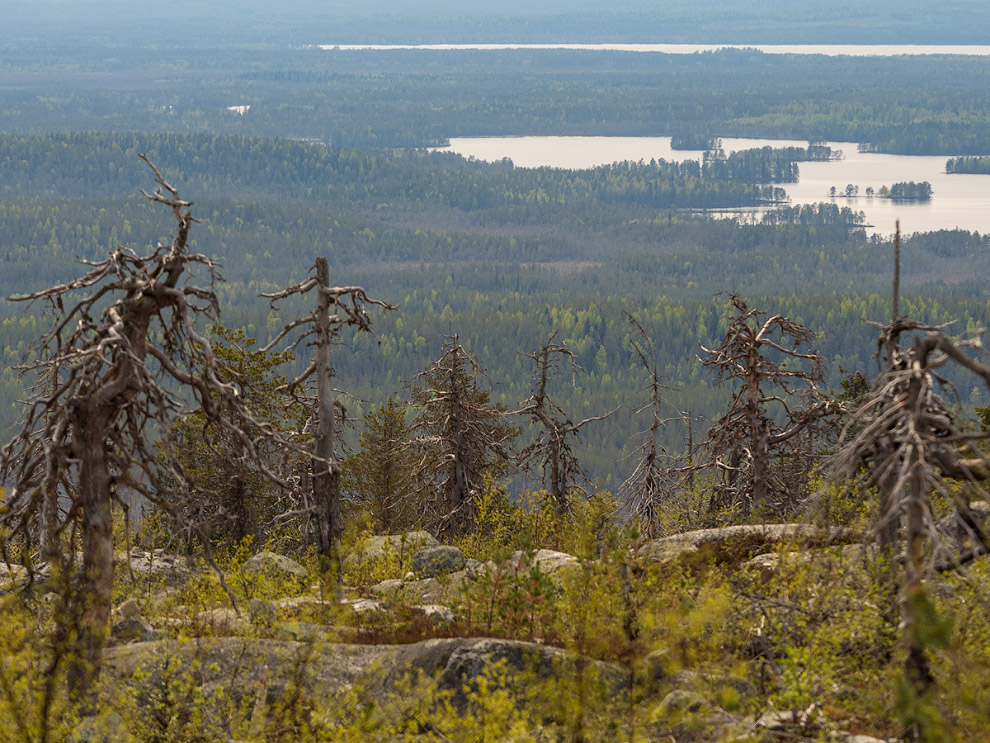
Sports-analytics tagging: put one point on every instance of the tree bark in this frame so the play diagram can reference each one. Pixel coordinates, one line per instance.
(916, 665)
(91, 594)
(326, 468)
(48, 524)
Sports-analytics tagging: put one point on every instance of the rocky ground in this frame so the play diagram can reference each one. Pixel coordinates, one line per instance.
(400, 629)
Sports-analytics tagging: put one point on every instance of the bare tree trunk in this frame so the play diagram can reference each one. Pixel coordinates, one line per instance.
(916, 666)
(889, 526)
(48, 525)
(48, 521)
(461, 496)
(690, 450)
(326, 468)
(241, 512)
(558, 485)
(91, 595)
(761, 463)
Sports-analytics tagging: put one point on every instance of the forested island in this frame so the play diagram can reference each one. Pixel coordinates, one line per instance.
(906, 191)
(313, 435)
(980, 165)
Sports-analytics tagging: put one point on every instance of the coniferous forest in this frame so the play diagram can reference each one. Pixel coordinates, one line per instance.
(314, 433)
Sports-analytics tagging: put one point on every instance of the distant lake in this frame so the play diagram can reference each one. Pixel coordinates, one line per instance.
(831, 50)
(959, 201)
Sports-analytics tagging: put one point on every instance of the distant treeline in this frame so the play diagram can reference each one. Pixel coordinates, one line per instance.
(979, 165)
(816, 214)
(764, 164)
(419, 98)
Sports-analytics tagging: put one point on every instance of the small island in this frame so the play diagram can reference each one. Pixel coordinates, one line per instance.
(907, 191)
(978, 165)
(904, 191)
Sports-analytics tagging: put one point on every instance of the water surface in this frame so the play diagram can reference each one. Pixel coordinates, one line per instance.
(830, 50)
(959, 201)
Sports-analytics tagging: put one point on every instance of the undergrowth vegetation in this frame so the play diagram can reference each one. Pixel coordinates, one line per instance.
(609, 646)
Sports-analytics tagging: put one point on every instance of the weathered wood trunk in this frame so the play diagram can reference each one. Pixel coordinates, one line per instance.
(460, 497)
(916, 666)
(91, 592)
(761, 462)
(48, 525)
(326, 468)
(888, 528)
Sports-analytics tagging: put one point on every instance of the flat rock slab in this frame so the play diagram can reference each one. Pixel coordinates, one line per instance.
(424, 591)
(398, 546)
(243, 666)
(555, 565)
(249, 666)
(275, 566)
(671, 548)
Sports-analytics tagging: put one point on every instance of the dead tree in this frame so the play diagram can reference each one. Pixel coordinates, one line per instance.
(551, 452)
(760, 356)
(656, 478)
(122, 344)
(460, 436)
(235, 498)
(905, 440)
(336, 307)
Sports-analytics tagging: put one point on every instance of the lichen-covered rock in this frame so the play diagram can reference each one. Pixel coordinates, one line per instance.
(434, 561)
(388, 588)
(364, 606)
(301, 632)
(262, 612)
(681, 702)
(133, 629)
(103, 729)
(11, 574)
(129, 608)
(435, 613)
(154, 564)
(676, 546)
(294, 605)
(220, 622)
(277, 567)
(400, 545)
(557, 566)
(844, 556)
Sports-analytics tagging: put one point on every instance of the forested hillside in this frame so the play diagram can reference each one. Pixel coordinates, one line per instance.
(446, 21)
(500, 256)
(421, 98)
(706, 464)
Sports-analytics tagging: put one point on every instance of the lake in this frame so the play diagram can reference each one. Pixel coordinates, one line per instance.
(831, 50)
(959, 201)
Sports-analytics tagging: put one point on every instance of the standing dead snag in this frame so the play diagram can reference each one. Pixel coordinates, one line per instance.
(461, 436)
(121, 346)
(234, 496)
(335, 306)
(747, 432)
(653, 481)
(906, 442)
(551, 451)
